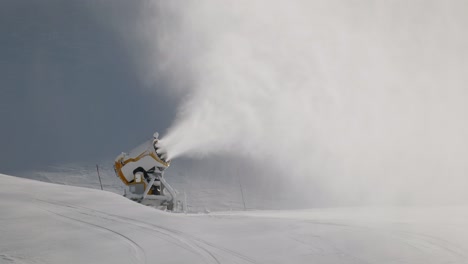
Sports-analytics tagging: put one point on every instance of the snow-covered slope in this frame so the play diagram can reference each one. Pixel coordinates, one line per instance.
(48, 223)
(218, 191)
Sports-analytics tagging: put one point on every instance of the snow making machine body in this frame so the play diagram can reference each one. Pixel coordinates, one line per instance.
(142, 171)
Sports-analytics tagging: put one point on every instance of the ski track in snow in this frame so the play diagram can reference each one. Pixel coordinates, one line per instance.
(113, 229)
(421, 242)
(139, 253)
(206, 250)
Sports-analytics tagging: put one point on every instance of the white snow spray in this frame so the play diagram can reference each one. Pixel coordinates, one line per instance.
(366, 99)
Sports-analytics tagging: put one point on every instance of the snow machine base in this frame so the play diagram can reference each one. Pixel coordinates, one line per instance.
(166, 200)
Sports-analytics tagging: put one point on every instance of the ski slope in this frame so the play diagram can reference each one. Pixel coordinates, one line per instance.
(49, 223)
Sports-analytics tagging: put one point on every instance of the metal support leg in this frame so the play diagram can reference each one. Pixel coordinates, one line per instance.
(168, 198)
(169, 188)
(148, 188)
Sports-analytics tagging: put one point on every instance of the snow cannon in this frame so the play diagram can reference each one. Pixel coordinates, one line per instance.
(142, 172)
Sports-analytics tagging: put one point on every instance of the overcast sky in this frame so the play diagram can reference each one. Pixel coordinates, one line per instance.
(70, 90)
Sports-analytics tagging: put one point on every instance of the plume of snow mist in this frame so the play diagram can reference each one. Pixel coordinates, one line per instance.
(368, 98)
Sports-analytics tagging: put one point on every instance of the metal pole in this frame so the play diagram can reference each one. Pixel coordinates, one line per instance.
(242, 191)
(99, 176)
(185, 202)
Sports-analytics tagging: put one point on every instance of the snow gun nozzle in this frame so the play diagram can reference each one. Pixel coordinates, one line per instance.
(161, 152)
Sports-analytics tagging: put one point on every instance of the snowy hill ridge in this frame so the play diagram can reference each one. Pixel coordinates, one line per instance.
(49, 223)
(219, 192)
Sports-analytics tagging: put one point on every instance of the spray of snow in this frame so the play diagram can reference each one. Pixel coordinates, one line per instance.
(368, 99)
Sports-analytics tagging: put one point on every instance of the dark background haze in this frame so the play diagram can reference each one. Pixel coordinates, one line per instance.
(69, 84)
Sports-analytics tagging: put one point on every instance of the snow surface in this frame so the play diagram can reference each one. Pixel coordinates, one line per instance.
(50, 223)
(218, 191)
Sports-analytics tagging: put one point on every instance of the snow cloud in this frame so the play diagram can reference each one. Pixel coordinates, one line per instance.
(366, 100)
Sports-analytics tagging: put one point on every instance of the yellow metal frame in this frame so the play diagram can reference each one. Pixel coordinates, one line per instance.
(120, 163)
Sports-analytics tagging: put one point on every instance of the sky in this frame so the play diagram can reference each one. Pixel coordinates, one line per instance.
(69, 86)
